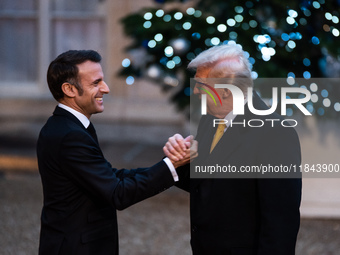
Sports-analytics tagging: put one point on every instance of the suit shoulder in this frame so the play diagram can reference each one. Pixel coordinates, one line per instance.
(58, 127)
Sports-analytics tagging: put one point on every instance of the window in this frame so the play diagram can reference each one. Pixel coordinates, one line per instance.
(33, 32)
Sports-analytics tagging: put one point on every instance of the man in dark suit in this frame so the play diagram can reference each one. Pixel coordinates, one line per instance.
(239, 213)
(81, 189)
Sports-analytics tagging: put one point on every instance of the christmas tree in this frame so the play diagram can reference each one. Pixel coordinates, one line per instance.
(282, 39)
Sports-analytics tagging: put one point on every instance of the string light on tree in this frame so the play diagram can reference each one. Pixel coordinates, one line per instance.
(180, 45)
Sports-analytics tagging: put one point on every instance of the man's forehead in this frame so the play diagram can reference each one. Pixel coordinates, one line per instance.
(89, 68)
(208, 69)
(202, 72)
(89, 65)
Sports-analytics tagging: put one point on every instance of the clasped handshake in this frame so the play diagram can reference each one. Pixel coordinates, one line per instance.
(181, 150)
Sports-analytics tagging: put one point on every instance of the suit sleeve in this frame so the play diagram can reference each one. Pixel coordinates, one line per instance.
(184, 177)
(280, 197)
(84, 164)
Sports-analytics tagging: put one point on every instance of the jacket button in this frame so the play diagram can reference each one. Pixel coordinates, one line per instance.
(194, 229)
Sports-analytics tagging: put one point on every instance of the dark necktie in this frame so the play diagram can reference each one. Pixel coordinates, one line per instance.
(92, 132)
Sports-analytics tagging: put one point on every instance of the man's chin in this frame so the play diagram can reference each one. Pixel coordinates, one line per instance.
(100, 110)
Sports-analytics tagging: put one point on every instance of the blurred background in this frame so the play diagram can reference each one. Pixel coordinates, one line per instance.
(146, 46)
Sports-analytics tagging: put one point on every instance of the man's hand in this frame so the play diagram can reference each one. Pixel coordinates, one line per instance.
(181, 151)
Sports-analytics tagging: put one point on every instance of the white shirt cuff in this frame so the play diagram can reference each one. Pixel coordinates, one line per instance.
(172, 168)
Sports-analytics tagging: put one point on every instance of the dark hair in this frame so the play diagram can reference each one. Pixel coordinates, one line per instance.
(64, 69)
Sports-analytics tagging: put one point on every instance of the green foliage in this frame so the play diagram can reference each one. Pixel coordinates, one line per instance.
(283, 38)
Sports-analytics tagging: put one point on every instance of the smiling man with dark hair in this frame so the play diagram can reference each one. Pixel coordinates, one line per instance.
(81, 189)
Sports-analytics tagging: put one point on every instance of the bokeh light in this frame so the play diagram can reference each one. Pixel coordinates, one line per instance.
(291, 80)
(187, 25)
(313, 87)
(239, 18)
(328, 16)
(148, 16)
(337, 107)
(178, 15)
(198, 13)
(314, 98)
(306, 75)
(159, 13)
(171, 64)
(315, 40)
(158, 37)
(321, 111)
(253, 23)
(130, 80)
(210, 20)
(152, 44)
(147, 24)
(254, 75)
(196, 35)
(324, 93)
(215, 41)
(291, 44)
(126, 62)
(306, 62)
(167, 18)
(190, 11)
(238, 9)
(222, 28)
(335, 32)
(231, 22)
(326, 102)
(290, 20)
(292, 13)
(169, 51)
(316, 5)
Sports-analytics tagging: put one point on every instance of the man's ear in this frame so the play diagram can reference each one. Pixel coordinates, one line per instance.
(68, 89)
(226, 93)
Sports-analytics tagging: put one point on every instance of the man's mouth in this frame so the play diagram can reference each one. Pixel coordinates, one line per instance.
(99, 99)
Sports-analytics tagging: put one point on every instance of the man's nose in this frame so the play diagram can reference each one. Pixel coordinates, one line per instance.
(104, 88)
(196, 90)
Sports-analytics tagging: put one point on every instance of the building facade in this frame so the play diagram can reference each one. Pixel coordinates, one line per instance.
(34, 32)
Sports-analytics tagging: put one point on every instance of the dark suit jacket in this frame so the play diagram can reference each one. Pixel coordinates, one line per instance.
(82, 191)
(245, 216)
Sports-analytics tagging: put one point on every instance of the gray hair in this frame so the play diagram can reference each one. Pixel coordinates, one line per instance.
(227, 61)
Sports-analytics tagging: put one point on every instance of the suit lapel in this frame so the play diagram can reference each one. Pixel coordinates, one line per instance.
(230, 142)
(234, 136)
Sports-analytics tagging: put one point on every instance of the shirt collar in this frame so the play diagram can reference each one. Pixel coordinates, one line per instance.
(231, 116)
(81, 117)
